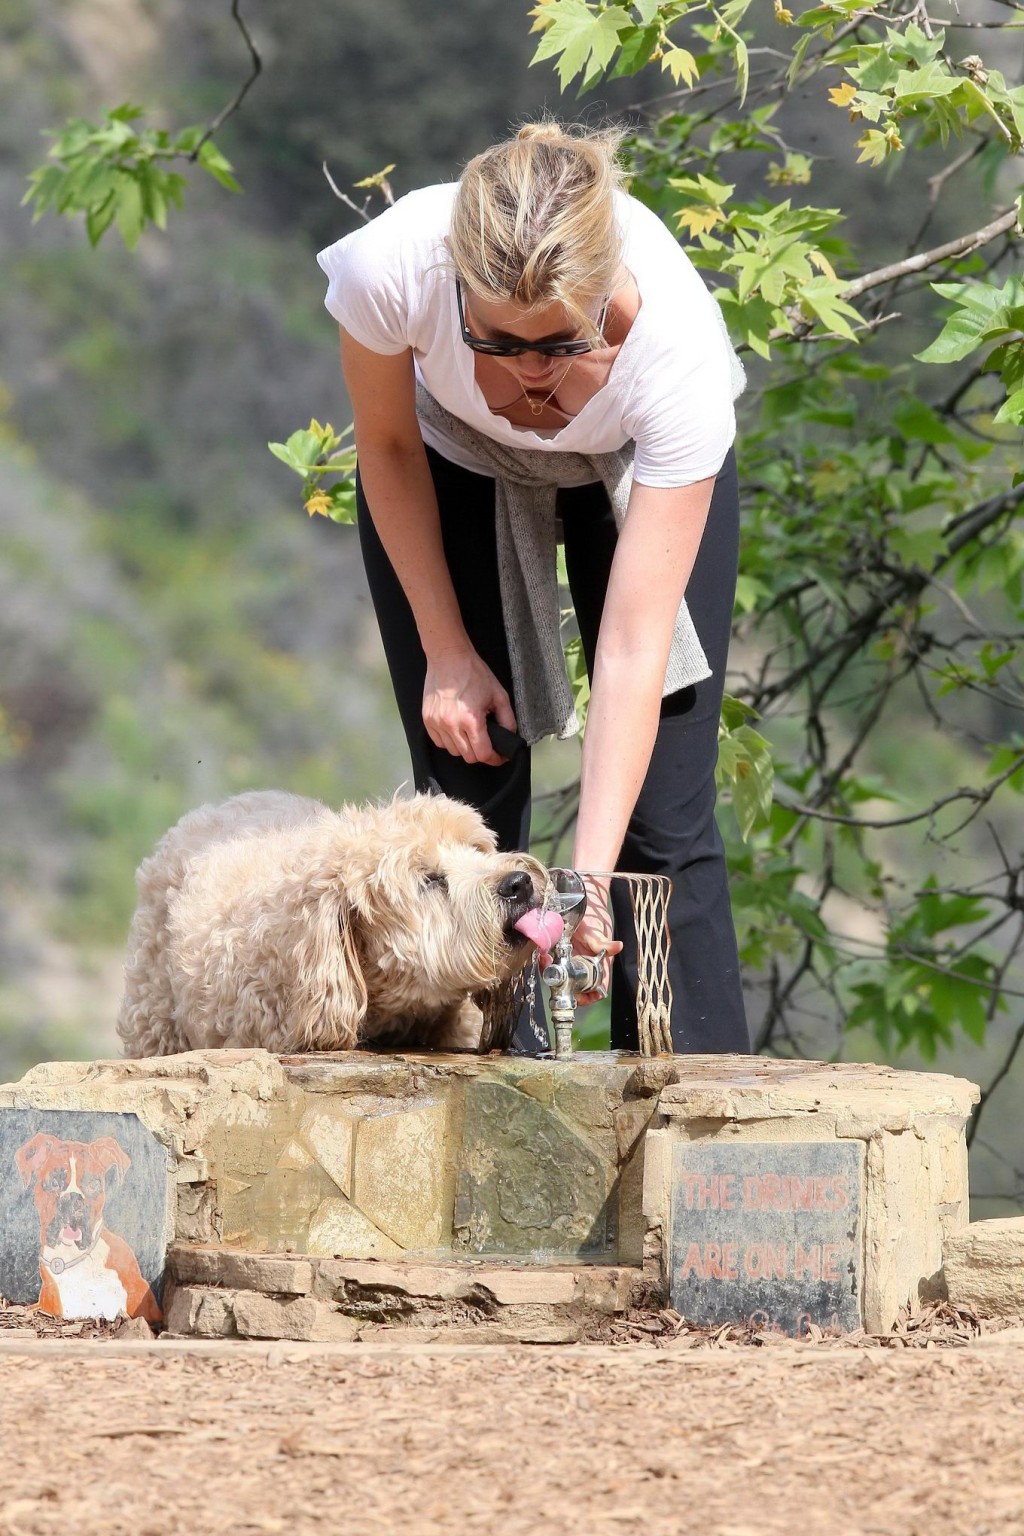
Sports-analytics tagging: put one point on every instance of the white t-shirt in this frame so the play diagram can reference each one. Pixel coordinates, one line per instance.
(670, 389)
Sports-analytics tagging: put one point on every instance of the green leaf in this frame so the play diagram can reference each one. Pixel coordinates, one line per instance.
(682, 66)
(211, 159)
(742, 69)
(582, 41)
(637, 47)
(99, 218)
(284, 453)
(821, 296)
(1011, 411)
(749, 592)
(129, 210)
(980, 307)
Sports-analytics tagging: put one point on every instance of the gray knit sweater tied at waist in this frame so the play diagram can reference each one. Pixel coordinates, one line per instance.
(525, 491)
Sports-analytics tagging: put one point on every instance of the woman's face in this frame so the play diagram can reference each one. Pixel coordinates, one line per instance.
(494, 321)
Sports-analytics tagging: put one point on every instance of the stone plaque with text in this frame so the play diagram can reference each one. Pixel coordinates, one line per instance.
(769, 1230)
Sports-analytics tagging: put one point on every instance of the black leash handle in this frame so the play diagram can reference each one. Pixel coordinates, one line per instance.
(504, 741)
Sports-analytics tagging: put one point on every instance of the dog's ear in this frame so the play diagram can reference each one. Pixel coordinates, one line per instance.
(328, 1004)
(110, 1155)
(34, 1152)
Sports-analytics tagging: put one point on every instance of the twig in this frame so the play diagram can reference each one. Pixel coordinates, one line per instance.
(961, 246)
(1008, 1061)
(233, 106)
(344, 197)
(980, 796)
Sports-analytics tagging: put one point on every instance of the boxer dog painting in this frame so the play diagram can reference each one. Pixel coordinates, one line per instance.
(86, 1270)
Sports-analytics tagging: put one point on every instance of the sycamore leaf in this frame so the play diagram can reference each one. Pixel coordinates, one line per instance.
(873, 146)
(583, 41)
(699, 221)
(842, 95)
(822, 298)
(682, 66)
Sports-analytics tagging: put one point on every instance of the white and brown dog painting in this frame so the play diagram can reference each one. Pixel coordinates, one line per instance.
(86, 1270)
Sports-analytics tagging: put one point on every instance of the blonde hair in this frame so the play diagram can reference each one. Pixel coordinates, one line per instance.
(534, 220)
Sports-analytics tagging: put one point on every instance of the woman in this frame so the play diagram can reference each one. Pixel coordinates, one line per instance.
(527, 344)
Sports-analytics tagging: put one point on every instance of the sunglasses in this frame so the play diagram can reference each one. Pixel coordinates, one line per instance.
(517, 348)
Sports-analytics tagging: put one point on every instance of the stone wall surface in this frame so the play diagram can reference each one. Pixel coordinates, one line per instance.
(443, 1158)
(372, 1156)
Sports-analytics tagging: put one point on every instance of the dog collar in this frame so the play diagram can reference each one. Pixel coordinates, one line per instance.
(60, 1266)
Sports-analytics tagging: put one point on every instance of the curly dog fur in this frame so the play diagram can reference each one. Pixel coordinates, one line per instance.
(273, 921)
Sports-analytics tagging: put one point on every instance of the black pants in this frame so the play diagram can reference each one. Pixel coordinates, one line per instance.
(672, 830)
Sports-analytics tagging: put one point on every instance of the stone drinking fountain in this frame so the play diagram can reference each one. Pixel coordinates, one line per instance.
(336, 1196)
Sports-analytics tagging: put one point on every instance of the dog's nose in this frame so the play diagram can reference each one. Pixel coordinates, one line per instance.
(516, 887)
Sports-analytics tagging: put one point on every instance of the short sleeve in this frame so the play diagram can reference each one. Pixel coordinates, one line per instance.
(686, 424)
(366, 290)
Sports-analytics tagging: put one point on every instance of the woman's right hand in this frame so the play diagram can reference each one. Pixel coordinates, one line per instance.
(459, 693)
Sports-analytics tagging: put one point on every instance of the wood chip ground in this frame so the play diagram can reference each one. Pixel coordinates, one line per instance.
(665, 1432)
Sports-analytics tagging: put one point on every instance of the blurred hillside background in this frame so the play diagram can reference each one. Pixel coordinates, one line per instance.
(172, 626)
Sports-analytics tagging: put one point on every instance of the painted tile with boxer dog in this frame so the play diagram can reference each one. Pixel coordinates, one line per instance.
(83, 1200)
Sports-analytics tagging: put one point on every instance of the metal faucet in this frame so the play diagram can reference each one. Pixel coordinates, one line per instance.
(568, 975)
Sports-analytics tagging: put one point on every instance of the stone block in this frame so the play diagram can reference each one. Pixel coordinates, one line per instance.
(537, 1286)
(339, 1278)
(631, 1121)
(195, 1219)
(332, 1326)
(236, 1270)
(275, 1212)
(329, 1134)
(272, 1317)
(983, 1266)
(607, 1288)
(338, 1230)
(398, 1177)
(527, 1183)
(631, 1227)
(909, 1127)
(295, 1157)
(193, 1312)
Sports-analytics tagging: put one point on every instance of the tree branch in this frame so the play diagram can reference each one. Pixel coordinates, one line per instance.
(233, 105)
(978, 796)
(961, 246)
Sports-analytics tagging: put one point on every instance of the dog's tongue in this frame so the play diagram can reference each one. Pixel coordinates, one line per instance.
(71, 1234)
(542, 928)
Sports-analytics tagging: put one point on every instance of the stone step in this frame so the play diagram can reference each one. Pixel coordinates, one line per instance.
(216, 1292)
(983, 1267)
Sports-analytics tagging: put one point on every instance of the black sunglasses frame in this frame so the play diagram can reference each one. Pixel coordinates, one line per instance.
(517, 348)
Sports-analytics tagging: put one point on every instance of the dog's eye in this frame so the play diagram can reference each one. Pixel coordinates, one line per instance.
(56, 1180)
(436, 881)
(91, 1184)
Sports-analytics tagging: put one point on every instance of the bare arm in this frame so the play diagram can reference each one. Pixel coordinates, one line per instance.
(653, 559)
(460, 690)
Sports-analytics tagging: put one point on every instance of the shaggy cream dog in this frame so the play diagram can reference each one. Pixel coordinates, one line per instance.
(273, 921)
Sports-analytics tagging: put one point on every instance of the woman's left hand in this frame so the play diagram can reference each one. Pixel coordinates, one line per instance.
(593, 933)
